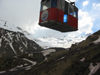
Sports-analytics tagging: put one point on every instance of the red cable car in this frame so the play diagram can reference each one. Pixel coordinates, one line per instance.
(59, 15)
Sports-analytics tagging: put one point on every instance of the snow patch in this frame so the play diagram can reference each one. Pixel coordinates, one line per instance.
(97, 41)
(29, 36)
(13, 69)
(25, 44)
(17, 37)
(9, 36)
(83, 59)
(25, 64)
(0, 42)
(6, 39)
(28, 67)
(20, 66)
(16, 68)
(12, 48)
(1, 72)
(30, 55)
(32, 62)
(45, 58)
(61, 58)
(47, 52)
(93, 69)
(20, 48)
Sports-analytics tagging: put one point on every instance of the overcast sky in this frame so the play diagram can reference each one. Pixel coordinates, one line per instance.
(25, 14)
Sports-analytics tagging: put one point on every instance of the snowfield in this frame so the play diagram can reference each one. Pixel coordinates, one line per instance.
(0, 42)
(1, 72)
(47, 52)
(83, 59)
(93, 69)
(46, 42)
(12, 48)
(97, 41)
(13, 28)
(30, 61)
(25, 66)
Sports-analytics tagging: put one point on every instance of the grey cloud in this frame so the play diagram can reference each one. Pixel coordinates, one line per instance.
(20, 12)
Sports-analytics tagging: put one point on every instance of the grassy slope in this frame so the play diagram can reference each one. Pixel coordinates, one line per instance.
(67, 62)
(71, 64)
(7, 63)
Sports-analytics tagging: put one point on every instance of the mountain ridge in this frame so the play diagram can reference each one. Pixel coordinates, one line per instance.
(80, 59)
(15, 42)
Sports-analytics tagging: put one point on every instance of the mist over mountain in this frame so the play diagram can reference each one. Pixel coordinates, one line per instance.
(21, 54)
(46, 42)
(80, 59)
(64, 42)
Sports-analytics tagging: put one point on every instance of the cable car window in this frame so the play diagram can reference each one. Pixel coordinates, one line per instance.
(75, 12)
(54, 3)
(61, 4)
(45, 4)
(66, 8)
(72, 10)
(65, 18)
(65, 12)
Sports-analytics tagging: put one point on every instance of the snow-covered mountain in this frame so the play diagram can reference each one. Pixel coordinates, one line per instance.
(15, 41)
(47, 42)
(81, 59)
(13, 28)
(64, 42)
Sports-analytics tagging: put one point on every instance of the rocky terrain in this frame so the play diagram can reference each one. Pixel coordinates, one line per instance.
(81, 59)
(20, 55)
(15, 43)
(18, 50)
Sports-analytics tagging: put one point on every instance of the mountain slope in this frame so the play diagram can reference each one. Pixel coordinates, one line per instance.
(15, 42)
(81, 59)
(17, 49)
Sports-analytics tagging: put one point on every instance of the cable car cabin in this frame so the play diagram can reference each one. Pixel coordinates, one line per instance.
(59, 15)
